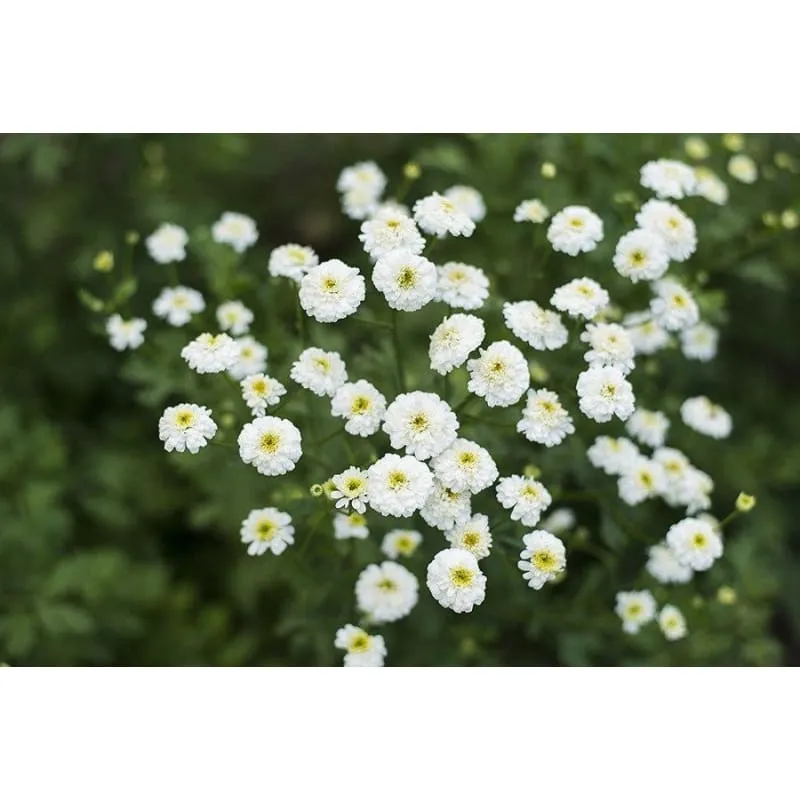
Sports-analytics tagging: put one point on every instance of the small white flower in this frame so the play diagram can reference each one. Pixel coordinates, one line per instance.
(604, 392)
(439, 216)
(362, 649)
(743, 168)
(468, 201)
(695, 543)
(401, 542)
(635, 609)
(455, 580)
(700, 342)
(611, 346)
(407, 281)
(364, 175)
(237, 230)
(350, 526)
(420, 422)
(177, 304)
(260, 391)
(613, 456)
(685, 485)
(461, 285)
(291, 261)
(386, 592)
(361, 405)
(647, 335)
(390, 230)
(641, 255)
(331, 291)
(473, 535)
(711, 186)
(267, 529)
(541, 328)
(234, 317)
(209, 353)
(667, 220)
(465, 466)
(672, 623)
(500, 375)
(350, 490)
(673, 308)
(642, 479)
(526, 497)
(446, 508)
(575, 229)
(186, 427)
(398, 485)
(648, 427)
(544, 419)
(581, 297)
(559, 521)
(531, 211)
(252, 358)
(125, 334)
(542, 559)
(272, 445)
(696, 491)
(665, 568)
(167, 244)
(669, 178)
(453, 340)
(360, 203)
(321, 372)
(705, 417)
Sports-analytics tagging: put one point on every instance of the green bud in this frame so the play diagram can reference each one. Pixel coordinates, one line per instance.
(726, 595)
(104, 261)
(745, 502)
(317, 490)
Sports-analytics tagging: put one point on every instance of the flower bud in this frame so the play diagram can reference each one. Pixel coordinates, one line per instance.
(790, 219)
(549, 170)
(726, 595)
(733, 141)
(745, 502)
(317, 490)
(131, 238)
(412, 171)
(104, 261)
(696, 148)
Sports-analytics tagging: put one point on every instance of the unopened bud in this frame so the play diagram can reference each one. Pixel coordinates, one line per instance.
(412, 171)
(745, 502)
(549, 170)
(104, 261)
(726, 595)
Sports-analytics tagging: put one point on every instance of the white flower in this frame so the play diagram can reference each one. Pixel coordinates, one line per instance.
(673, 307)
(391, 206)
(235, 317)
(575, 229)
(350, 526)
(705, 417)
(319, 371)
(237, 230)
(209, 353)
(468, 201)
(455, 580)
(267, 529)
(667, 220)
(401, 542)
(260, 391)
(642, 479)
(711, 186)
(465, 466)
(700, 342)
(167, 244)
(613, 456)
(420, 422)
(672, 623)
(439, 216)
(386, 592)
(186, 427)
(499, 375)
(473, 535)
(252, 358)
(648, 427)
(665, 568)
(291, 261)
(362, 649)
(177, 304)
(542, 559)
(453, 340)
(544, 419)
(685, 485)
(125, 334)
(272, 445)
(390, 230)
(446, 508)
(581, 297)
(604, 392)
(407, 281)
(461, 285)
(696, 491)
(559, 521)
(365, 175)
(526, 497)
(331, 291)
(635, 609)
(398, 485)
(694, 543)
(361, 405)
(350, 490)
(360, 203)
(743, 168)
(531, 211)
(641, 255)
(669, 178)
(611, 346)
(647, 335)
(541, 328)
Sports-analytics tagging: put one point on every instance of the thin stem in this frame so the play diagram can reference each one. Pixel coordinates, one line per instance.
(173, 274)
(398, 363)
(735, 513)
(328, 437)
(463, 404)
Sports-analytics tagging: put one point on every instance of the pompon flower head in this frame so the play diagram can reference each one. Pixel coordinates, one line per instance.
(559, 521)
(461, 285)
(361, 405)
(669, 178)
(350, 526)
(362, 649)
(699, 342)
(252, 358)
(234, 317)
(125, 334)
(685, 485)
(350, 490)
(575, 229)
(360, 203)
(581, 297)
(613, 456)
(260, 391)
(648, 427)
(401, 542)
(694, 543)
(406, 280)
(705, 417)
(267, 529)
(526, 497)
(541, 328)
(465, 466)
(420, 422)
(604, 393)
(272, 445)
(676, 229)
(696, 491)
(390, 229)
(331, 291)
(647, 335)
(438, 216)
(237, 230)
(642, 479)
(500, 375)
(610, 346)
(473, 535)
(673, 307)
(209, 353)
(672, 623)
(665, 568)
(167, 243)
(743, 168)
(386, 592)
(468, 201)
(455, 580)
(531, 211)
(542, 559)
(186, 426)
(398, 485)
(291, 261)
(641, 256)
(445, 508)
(321, 372)
(635, 609)
(176, 304)
(453, 340)
(544, 419)
(711, 186)
(363, 175)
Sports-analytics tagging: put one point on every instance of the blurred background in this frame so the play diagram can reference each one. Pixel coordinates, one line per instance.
(113, 553)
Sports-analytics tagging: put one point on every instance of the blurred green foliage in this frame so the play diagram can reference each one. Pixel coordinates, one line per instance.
(115, 553)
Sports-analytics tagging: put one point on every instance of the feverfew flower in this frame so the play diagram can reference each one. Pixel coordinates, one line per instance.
(611, 346)
(542, 559)
(465, 466)
(642, 479)
(685, 485)
(252, 358)
(209, 353)
(613, 456)
(360, 203)
(696, 491)
(531, 211)
(669, 178)
(575, 229)
(673, 307)
(453, 340)
(319, 371)
(604, 392)
(468, 201)
(439, 216)
(406, 280)
(267, 529)
(350, 490)
(331, 291)
(386, 592)
(544, 419)
(291, 261)
(234, 317)
(711, 186)
(350, 526)
(541, 328)
(700, 342)
(237, 230)
(420, 422)
(272, 445)
(641, 256)
(581, 297)
(125, 334)
(260, 391)
(186, 427)
(635, 609)
(559, 521)
(499, 375)
(672, 623)
(647, 335)
(694, 543)
(167, 244)
(667, 220)
(401, 542)
(665, 568)
(526, 497)
(365, 175)
(648, 427)
(390, 230)
(446, 508)
(455, 580)
(705, 417)
(361, 405)
(473, 535)
(461, 285)
(743, 168)
(176, 305)
(362, 649)
(398, 485)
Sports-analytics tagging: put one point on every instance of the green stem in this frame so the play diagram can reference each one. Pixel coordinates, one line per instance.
(464, 403)
(328, 437)
(173, 273)
(401, 378)
(735, 513)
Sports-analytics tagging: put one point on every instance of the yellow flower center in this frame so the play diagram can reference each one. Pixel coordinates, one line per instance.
(634, 610)
(266, 530)
(530, 491)
(471, 539)
(637, 258)
(647, 480)
(608, 391)
(576, 222)
(184, 418)
(359, 643)
(259, 386)
(323, 364)
(586, 291)
(387, 585)
(468, 458)
(404, 545)
(354, 485)
(330, 284)
(397, 479)
(458, 275)
(544, 561)
(270, 442)
(360, 404)
(356, 520)
(699, 540)
(407, 279)
(419, 422)
(296, 254)
(461, 577)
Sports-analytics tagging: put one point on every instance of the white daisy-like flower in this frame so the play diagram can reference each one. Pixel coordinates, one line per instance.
(611, 346)
(473, 535)
(559, 521)
(252, 358)
(673, 307)
(401, 542)
(186, 426)
(362, 649)
(321, 372)
(461, 285)
(350, 526)
(167, 244)
(669, 178)
(641, 256)
(455, 580)
(711, 186)
(237, 230)
(544, 419)
(465, 466)
(291, 261)
(635, 609)
(272, 445)
(541, 328)
(210, 353)
(260, 391)
(695, 543)
(672, 623)
(743, 168)
(391, 206)
(453, 340)
(575, 229)
(499, 375)
(365, 175)
(361, 405)
(696, 491)
(388, 230)
(542, 559)
(406, 280)
(446, 508)
(176, 304)
(360, 203)
(350, 490)
(685, 485)
(604, 392)
(386, 592)
(642, 479)
(267, 529)
(613, 456)
(234, 317)
(700, 342)
(438, 216)
(125, 334)
(531, 211)
(331, 291)
(648, 427)
(526, 497)
(665, 568)
(467, 200)
(581, 297)
(647, 335)
(676, 229)
(420, 422)
(398, 485)
(705, 417)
